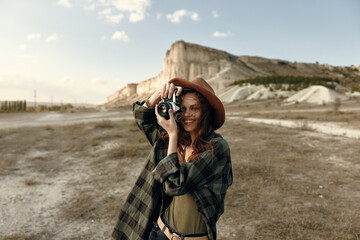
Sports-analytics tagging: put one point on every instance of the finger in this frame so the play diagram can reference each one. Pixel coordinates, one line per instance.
(179, 90)
(171, 114)
(164, 91)
(167, 93)
(156, 111)
(158, 116)
(171, 90)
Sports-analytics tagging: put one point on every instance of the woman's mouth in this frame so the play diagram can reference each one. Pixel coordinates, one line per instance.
(188, 121)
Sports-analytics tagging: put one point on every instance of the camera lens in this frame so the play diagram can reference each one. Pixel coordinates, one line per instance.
(163, 109)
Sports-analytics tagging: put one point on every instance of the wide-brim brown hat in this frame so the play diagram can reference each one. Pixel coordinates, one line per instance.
(201, 86)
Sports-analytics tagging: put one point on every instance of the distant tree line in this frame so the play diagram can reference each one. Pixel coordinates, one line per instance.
(289, 82)
(21, 106)
(44, 108)
(13, 106)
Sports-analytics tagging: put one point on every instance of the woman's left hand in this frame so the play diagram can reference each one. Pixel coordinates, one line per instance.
(169, 125)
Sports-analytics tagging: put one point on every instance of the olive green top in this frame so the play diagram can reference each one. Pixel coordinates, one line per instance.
(184, 217)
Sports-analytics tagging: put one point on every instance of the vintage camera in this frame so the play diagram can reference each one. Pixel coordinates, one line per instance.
(167, 104)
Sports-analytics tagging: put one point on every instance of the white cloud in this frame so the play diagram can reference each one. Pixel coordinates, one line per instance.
(64, 3)
(90, 7)
(136, 17)
(135, 8)
(22, 47)
(194, 16)
(177, 15)
(120, 36)
(215, 14)
(33, 36)
(106, 11)
(222, 34)
(115, 19)
(158, 16)
(104, 37)
(52, 38)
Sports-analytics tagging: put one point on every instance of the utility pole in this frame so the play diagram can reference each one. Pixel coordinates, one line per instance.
(35, 98)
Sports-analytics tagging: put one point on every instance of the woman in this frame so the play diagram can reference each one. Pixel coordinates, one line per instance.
(180, 192)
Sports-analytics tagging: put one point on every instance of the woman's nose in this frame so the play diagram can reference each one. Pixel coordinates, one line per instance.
(187, 112)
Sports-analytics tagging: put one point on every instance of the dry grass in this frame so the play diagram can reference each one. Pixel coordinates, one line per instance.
(48, 153)
(105, 124)
(6, 165)
(30, 181)
(304, 125)
(90, 205)
(288, 183)
(22, 235)
(315, 116)
(113, 151)
(127, 150)
(284, 188)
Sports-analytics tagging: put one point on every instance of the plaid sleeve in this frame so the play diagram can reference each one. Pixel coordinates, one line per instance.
(205, 168)
(146, 120)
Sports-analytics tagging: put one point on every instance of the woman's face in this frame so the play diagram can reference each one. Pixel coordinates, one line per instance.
(191, 116)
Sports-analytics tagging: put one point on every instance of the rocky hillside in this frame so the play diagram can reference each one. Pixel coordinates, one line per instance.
(220, 69)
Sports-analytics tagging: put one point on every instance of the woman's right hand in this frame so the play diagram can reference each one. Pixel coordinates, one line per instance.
(165, 91)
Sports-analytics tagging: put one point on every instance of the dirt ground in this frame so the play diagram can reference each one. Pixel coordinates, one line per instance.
(69, 181)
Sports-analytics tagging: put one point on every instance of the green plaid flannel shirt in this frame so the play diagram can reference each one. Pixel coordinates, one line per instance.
(207, 178)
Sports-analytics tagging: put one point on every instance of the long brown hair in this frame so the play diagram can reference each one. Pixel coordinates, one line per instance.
(204, 128)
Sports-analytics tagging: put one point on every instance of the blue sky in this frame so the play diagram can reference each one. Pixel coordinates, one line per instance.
(84, 50)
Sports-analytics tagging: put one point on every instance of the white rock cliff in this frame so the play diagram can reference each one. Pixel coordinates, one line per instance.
(219, 68)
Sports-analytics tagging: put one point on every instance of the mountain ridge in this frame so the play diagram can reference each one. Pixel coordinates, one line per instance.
(220, 69)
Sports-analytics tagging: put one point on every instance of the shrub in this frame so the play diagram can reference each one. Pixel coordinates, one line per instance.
(295, 82)
(104, 124)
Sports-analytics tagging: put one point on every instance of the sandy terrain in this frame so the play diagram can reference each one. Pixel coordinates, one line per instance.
(324, 127)
(65, 176)
(314, 94)
(12, 120)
